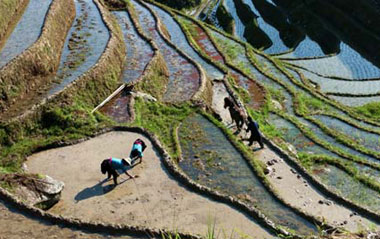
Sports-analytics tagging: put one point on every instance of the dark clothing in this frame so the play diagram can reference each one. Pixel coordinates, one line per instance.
(255, 133)
(110, 166)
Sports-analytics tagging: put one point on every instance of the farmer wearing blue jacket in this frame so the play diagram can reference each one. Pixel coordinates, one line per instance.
(115, 167)
(137, 150)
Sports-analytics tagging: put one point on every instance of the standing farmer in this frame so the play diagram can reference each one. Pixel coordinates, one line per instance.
(253, 126)
(137, 150)
(115, 167)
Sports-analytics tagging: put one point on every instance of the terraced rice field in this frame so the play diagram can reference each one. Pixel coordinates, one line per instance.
(304, 90)
(26, 32)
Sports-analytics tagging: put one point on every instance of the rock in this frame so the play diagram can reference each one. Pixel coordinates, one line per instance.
(326, 202)
(50, 186)
(270, 163)
(277, 105)
(292, 149)
(267, 170)
(353, 214)
(144, 96)
(279, 177)
(293, 171)
(43, 193)
(298, 176)
(24, 167)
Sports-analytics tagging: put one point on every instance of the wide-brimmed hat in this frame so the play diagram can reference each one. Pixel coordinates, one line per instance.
(128, 161)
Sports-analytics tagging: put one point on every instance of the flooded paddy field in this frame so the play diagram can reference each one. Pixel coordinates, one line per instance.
(26, 32)
(139, 52)
(184, 79)
(179, 39)
(301, 82)
(85, 43)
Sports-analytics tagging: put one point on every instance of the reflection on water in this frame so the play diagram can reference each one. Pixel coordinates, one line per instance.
(139, 52)
(184, 78)
(26, 32)
(84, 44)
(347, 64)
(179, 39)
(210, 159)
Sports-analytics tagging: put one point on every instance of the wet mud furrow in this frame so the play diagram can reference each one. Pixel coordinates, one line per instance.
(26, 32)
(178, 38)
(210, 159)
(184, 79)
(85, 43)
(348, 187)
(139, 52)
(202, 40)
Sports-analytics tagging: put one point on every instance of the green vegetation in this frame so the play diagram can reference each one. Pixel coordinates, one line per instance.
(162, 120)
(156, 78)
(57, 123)
(370, 110)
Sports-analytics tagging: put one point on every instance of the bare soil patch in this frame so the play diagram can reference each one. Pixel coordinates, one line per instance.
(155, 199)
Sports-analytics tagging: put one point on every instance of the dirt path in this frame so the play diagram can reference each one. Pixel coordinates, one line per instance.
(293, 188)
(15, 225)
(154, 199)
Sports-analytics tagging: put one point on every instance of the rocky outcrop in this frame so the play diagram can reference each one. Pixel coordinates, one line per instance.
(42, 192)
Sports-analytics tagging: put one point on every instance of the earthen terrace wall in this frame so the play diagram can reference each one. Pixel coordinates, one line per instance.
(34, 67)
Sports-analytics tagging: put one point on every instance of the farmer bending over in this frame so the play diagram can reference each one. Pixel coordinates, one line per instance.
(137, 150)
(114, 167)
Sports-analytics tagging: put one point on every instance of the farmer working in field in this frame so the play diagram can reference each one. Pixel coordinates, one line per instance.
(255, 132)
(115, 167)
(137, 150)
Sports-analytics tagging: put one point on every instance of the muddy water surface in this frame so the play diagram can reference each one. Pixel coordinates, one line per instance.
(204, 42)
(84, 44)
(184, 78)
(139, 52)
(179, 39)
(27, 30)
(210, 159)
(347, 64)
(119, 108)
